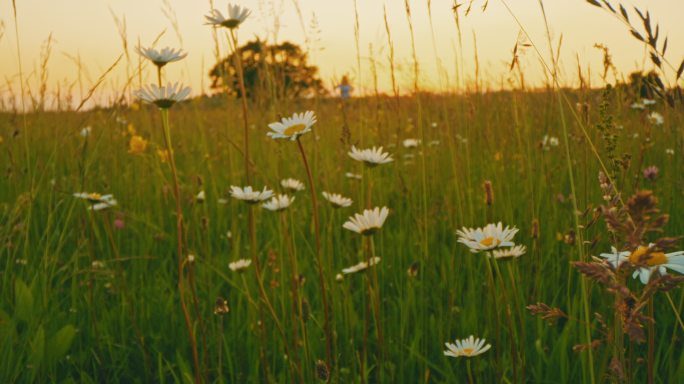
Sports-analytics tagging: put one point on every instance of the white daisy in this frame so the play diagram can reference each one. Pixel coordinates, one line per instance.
(655, 118)
(163, 57)
(292, 127)
(371, 157)
(490, 237)
(353, 176)
(369, 222)
(163, 97)
(337, 200)
(362, 266)
(292, 184)
(86, 131)
(648, 101)
(549, 141)
(411, 143)
(236, 16)
(615, 257)
(278, 203)
(238, 266)
(512, 252)
(200, 196)
(647, 261)
(250, 196)
(467, 347)
(98, 202)
(637, 105)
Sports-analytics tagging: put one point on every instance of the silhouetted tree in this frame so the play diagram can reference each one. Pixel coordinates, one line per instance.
(646, 85)
(270, 71)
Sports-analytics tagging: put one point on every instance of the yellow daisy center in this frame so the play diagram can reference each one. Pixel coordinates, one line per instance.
(293, 129)
(489, 241)
(94, 196)
(468, 351)
(653, 259)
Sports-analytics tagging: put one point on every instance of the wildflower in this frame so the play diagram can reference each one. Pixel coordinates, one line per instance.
(292, 127)
(339, 277)
(279, 203)
(250, 196)
(648, 260)
(369, 222)
(130, 128)
(97, 264)
(412, 270)
(548, 142)
(337, 200)
(651, 173)
(200, 197)
(86, 131)
(353, 176)
(221, 306)
(512, 252)
(239, 265)
(669, 151)
(371, 157)
(137, 145)
(615, 258)
(191, 258)
(163, 57)
(292, 184)
(411, 143)
(648, 101)
(484, 239)
(362, 266)
(163, 155)
(637, 105)
(655, 118)
(163, 97)
(467, 347)
(236, 16)
(98, 202)
(433, 143)
(119, 223)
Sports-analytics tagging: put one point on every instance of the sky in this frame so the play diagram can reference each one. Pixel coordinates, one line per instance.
(93, 31)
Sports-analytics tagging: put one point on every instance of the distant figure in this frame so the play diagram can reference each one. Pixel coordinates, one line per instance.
(344, 87)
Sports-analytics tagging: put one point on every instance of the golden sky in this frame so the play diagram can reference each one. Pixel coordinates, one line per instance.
(87, 29)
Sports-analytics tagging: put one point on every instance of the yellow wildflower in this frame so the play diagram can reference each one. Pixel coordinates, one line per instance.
(137, 145)
(163, 155)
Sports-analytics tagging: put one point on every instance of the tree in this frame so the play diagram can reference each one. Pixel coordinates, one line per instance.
(279, 71)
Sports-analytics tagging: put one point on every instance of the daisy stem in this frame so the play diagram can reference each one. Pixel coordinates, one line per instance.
(378, 320)
(159, 76)
(317, 234)
(651, 343)
(509, 321)
(470, 371)
(179, 235)
(296, 301)
(243, 99)
(494, 312)
(262, 292)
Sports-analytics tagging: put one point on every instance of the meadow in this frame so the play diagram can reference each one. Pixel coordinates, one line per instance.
(143, 290)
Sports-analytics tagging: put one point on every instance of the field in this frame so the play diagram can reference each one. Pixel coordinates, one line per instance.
(143, 286)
